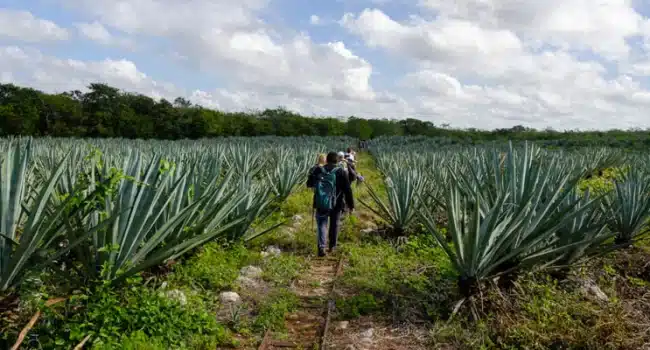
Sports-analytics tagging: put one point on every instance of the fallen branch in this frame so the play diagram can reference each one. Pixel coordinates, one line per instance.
(32, 322)
(83, 342)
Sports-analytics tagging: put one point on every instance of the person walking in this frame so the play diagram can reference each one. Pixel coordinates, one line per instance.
(332, 195)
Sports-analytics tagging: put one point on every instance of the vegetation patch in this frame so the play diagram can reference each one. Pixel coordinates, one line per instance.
(134, 315)
(216, 268)
(413, 280)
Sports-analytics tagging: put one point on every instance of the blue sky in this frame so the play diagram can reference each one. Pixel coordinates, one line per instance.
(564, 64)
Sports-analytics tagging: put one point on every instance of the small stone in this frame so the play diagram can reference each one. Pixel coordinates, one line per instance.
(367, 230)
(342, 325)
(297, 218)
(272, 251)
(230, 298)
(367, 334)
(292, 317)
(176, 295)
(251, 271)
(247, 282)
(163, 285)
(591, 290)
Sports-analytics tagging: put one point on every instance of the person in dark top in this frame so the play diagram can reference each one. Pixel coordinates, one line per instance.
(344, 199)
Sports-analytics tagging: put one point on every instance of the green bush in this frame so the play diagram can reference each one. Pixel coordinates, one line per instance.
(273, 310)
(134, 315)
(358, 305)
(214, 269)
(413, 277)
(282, 269)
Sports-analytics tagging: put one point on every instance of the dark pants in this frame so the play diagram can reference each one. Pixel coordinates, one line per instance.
(334, 217)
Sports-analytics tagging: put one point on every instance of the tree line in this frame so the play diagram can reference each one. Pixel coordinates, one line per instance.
(105, 111)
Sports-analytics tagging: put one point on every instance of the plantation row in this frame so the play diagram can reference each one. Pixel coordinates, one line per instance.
(92, 216)
(502, 211)
(108, 209)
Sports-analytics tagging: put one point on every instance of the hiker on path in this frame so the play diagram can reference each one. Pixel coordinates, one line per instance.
(351, 165)
(332, 194)
(340, 160)
(320, 161)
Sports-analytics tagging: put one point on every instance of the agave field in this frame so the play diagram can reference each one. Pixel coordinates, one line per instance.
(100, 212)
(502, 210)
(110, 209)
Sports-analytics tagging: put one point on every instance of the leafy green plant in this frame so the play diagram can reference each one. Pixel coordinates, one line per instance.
(273, 310)
(357, 305)
(282, 269)
(133, 314)
(214, 269)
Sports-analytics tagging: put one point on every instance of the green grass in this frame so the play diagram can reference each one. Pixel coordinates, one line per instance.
(540, 314)
(415, 278)
(273, 310)
(214, 269)
(281, 270)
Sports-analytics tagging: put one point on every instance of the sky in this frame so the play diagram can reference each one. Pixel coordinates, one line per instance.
(561, 64)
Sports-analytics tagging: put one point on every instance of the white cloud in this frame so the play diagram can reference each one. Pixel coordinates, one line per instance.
(471, 63)
(601, 26)
(30, 67)
(23, 26)
(511, 82)
(227, 40)
(95, 31)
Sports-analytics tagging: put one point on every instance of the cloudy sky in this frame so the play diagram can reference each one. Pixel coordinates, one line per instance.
(564, 64)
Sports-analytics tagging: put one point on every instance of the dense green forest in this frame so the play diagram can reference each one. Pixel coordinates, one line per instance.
(105, 111)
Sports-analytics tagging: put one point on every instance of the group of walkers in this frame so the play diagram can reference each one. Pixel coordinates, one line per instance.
(332, 178)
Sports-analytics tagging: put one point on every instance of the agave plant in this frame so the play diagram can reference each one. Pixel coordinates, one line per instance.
(256, 200)
(509, 225)
(22, 240)
(583, 235)
(288, 173)
(628, 206)
(402, 187)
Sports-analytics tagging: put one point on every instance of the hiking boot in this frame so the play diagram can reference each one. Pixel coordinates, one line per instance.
(332, 250)
(321, 252)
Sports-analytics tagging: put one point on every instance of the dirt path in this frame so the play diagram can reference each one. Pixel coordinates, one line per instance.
(310, 326)
(306, 326)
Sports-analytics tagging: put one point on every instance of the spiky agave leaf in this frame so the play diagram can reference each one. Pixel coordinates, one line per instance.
(628, 206)
(402, 187)
(510, 228)
(584, 234)
(17, 249)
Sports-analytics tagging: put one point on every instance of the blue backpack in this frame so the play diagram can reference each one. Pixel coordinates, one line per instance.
(325, 191)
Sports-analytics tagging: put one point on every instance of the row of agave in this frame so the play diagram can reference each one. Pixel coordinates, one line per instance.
(109, 209)
(512, 209)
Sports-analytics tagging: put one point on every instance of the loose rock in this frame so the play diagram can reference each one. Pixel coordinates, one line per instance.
(251, 271)
(271, 251)
(342, 325)
(176, 295)
(297, 218)
(591, 290)
(247, 282)
(367, 334)
(230, 298)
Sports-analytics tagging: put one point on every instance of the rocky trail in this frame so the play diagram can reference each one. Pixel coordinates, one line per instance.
(307, 328)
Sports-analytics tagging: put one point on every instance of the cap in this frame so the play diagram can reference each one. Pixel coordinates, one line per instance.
(341, 154)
